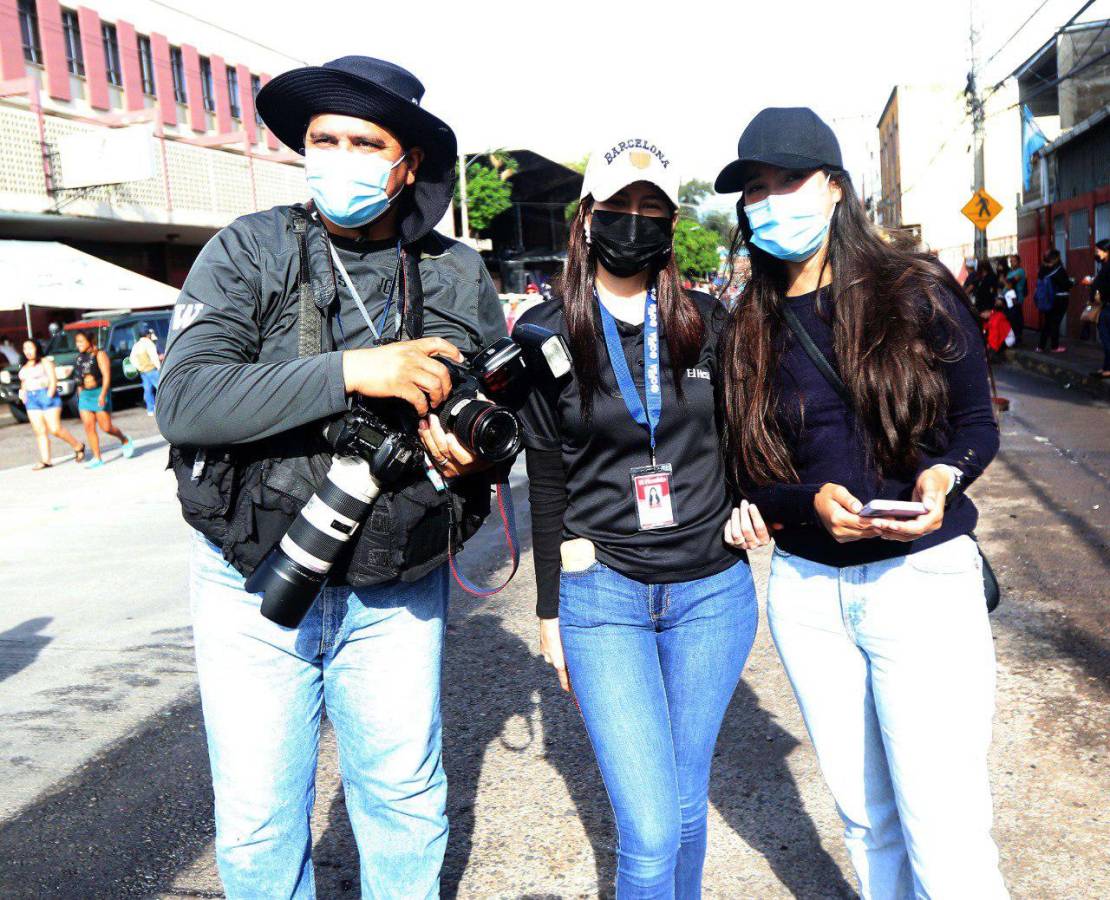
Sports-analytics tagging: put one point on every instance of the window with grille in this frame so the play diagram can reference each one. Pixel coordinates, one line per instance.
(206, 89)
(146, 65)
(29, 31)
(111, 53)
(256, 86)
(1079, 232)
(177, 66)
(71, 33)
(233, 92)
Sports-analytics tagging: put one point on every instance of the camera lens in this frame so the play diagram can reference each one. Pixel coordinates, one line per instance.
(489, 431)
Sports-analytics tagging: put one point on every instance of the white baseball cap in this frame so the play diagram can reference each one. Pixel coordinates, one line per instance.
(625, 162)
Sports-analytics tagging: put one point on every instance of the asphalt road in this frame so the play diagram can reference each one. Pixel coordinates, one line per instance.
(104, 788)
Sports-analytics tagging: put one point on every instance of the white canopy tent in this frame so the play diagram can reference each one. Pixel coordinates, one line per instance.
(47, 273)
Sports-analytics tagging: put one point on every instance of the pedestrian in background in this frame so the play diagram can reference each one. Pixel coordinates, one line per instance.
(145, 358)
(1100, 298)
(39, 392)
(1020, 283)
(651, 617)
(1055, 306)
(8, 351)
(984, 288)
(93, 371)
(854, 371)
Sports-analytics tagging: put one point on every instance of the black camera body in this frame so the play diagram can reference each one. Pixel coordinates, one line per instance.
(379, 446)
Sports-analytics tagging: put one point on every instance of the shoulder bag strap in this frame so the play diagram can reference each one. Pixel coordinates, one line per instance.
(309, 320)
(412, 296)
(816, 356)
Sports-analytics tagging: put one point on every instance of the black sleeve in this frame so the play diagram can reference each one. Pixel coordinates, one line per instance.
(212, 389)
(547, 496)
(974, 432)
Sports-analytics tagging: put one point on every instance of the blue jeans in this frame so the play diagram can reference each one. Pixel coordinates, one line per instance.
(653, 668)
(372, 657)
(150, 385)
(893, 666)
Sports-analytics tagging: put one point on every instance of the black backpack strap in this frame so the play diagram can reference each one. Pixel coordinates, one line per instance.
(412, 296)
(816, 356)
(309, 320)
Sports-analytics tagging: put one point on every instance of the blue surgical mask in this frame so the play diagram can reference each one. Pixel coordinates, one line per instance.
(789, 226)
(349, 187)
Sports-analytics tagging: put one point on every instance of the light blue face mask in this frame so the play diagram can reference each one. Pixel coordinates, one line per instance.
(789, 226)
(349, 187)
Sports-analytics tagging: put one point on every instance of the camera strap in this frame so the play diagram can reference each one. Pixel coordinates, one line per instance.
(508, 524)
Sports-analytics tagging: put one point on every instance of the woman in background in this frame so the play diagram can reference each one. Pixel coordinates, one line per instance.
(39, 393)
(93, 371)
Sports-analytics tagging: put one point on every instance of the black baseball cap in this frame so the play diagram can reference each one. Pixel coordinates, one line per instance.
(791, 137)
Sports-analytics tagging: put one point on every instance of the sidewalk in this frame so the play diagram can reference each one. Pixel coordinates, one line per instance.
(1071, 369)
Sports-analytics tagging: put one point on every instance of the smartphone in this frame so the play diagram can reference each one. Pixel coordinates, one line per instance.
(893, 509)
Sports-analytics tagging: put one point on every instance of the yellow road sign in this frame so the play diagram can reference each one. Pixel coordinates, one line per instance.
(981, 209)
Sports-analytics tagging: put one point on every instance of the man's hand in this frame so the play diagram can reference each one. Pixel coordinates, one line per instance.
(931, 488)
(405, 369)
(551, 646)
(451, 458)
(838, 511)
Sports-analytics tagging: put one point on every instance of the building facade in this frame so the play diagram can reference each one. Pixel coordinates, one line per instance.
(129, 131)
(926, 167)
(1065, 86)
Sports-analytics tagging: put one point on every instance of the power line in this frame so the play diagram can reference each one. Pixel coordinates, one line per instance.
(1075, 70)
(1006, 43)
(227, 30)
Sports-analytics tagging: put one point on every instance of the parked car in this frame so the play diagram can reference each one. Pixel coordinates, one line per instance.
(116, 334)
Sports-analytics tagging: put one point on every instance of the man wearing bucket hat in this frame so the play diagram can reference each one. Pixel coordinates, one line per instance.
(286, 314)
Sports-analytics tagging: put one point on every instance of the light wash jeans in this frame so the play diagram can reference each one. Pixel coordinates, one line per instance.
(893, 667)
(372, 657)
(653, 668)
(150, 386)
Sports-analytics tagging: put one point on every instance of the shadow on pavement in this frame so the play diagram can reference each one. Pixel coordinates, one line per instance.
(124, 825)
(21, 645)
(755, 793)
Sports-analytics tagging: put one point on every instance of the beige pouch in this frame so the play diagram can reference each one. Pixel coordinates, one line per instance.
(577, 555)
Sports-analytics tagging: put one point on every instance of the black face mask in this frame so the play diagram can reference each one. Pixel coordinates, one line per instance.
(627, 243)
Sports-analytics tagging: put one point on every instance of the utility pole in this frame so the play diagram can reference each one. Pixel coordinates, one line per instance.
(464, 212)
(975, 110)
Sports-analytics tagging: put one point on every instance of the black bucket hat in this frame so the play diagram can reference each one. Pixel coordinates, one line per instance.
(380, 92)
(792, 137)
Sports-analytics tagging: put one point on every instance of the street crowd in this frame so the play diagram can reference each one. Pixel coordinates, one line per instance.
(838, 407)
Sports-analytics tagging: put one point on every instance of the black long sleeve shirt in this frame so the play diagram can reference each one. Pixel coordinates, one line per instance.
(828, 447)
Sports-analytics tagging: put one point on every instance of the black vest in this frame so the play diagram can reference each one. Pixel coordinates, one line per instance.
(243, 498)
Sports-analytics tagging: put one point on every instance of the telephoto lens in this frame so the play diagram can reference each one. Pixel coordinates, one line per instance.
(291, 576)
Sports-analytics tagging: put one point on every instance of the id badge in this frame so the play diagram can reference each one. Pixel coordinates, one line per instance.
(654, 498)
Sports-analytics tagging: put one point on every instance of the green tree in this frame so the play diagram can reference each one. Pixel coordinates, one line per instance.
(691, 193)
(722, 222)
(695, 248)
(488, 192)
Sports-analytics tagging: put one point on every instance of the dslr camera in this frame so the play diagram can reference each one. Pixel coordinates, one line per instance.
(376, 446)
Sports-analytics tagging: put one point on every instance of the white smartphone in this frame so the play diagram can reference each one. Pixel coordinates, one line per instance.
(893, 509)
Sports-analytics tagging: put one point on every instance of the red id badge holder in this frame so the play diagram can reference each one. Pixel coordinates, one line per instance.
(653, 496)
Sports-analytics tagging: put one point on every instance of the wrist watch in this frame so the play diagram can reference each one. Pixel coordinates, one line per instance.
(957, 480)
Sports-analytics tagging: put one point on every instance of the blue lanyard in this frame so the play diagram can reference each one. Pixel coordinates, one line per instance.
(652, 386)
(379, 330)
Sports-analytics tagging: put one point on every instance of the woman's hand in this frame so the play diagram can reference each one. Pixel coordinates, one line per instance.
(931, 488)
(745, 528)
(451, 458)
(838, 511)
(551, 646)
(104, 397)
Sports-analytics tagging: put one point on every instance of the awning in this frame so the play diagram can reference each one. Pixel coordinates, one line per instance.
(46, 273)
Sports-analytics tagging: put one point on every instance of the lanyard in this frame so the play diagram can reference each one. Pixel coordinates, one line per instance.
(376, 331)
(652, 387)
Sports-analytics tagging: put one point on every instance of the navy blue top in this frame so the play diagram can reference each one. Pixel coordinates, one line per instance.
(828, 447)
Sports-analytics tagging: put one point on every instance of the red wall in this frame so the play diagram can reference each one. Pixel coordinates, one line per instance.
(11, 47)
(129, 65)
(198, 121)
(92, 46)
(53, 49)
(163, 78)
(219, 86)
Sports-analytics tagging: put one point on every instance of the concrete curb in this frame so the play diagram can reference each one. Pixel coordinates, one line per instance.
(1065, 373)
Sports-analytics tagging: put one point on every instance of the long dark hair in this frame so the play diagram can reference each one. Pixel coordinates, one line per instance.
(682, 324)
(893, 323)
